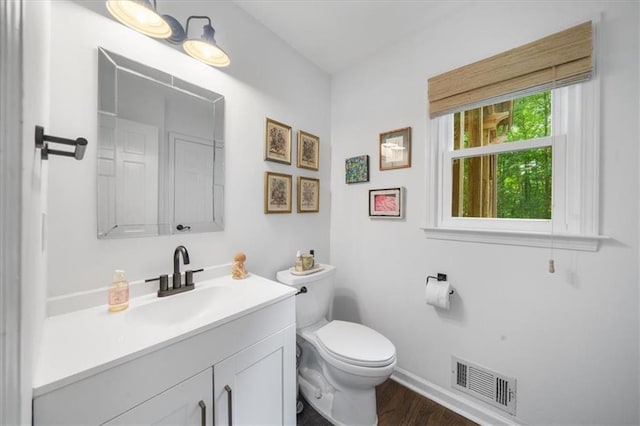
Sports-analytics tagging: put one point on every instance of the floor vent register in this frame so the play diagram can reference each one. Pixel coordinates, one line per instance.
(484, 384)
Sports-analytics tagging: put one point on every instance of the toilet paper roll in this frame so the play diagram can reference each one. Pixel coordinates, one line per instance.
(437, 294)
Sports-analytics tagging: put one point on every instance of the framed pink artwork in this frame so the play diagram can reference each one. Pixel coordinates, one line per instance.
(386, 203)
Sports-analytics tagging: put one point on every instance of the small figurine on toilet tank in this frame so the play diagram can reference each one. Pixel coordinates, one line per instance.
(238, 271)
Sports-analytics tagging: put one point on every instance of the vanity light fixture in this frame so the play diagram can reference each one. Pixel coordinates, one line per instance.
(142, 16)
(205, 49)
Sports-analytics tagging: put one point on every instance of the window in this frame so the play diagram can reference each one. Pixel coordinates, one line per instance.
(513, 148)
(517, 171)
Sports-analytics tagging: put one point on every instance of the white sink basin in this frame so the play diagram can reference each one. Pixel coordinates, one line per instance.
(178, 308)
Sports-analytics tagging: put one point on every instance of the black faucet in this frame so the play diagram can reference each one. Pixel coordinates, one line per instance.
(178, 287)
(177, 280)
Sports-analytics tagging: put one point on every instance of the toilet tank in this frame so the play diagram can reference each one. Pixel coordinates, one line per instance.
(313, 305)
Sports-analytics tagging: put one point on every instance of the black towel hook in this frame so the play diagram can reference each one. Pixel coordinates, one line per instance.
(80, 145)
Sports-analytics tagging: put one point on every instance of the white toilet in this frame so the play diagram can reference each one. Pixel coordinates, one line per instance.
(342, 362)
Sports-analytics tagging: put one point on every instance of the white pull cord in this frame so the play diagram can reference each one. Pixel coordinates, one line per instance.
(552, 263)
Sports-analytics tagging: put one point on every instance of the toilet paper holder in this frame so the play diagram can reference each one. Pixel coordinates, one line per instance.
(439, 277)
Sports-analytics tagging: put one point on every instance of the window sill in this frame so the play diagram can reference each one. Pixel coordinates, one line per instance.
(517, 238)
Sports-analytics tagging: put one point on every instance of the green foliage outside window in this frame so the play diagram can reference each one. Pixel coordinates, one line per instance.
(524, 177)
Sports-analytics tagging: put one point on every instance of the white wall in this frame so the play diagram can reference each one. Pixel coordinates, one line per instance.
(571, 338)
(265, 79)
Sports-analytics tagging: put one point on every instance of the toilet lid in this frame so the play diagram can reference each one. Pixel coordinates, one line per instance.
(356, 344)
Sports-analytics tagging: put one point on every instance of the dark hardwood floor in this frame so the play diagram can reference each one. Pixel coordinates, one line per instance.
(398, 406)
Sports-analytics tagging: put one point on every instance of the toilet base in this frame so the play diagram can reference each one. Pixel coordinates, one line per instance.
(324, 404)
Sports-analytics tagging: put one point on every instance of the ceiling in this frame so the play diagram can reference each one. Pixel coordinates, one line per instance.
(335, 34)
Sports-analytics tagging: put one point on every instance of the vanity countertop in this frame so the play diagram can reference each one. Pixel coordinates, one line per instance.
(85, 342)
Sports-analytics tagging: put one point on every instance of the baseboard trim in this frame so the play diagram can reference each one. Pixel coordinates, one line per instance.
(454, 402)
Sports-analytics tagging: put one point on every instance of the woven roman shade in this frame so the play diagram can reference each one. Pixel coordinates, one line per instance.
(557, 60)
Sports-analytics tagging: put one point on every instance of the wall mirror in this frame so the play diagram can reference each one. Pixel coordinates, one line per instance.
(160, 152)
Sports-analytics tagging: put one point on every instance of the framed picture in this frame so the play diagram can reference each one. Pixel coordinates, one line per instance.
(386, 203)
(277, 193)
(308, 195)
(356, 169)
(395, 149)
(308, 151)
(277, 146)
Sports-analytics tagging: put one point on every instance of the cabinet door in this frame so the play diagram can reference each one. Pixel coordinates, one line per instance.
(258, 384)
(187, 403)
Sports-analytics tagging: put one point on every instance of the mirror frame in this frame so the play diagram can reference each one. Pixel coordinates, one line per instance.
(109, 65)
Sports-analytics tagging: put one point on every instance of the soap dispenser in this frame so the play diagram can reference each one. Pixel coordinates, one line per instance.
(118, 292)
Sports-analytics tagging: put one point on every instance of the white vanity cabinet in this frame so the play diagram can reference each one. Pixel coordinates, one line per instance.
(245, 360)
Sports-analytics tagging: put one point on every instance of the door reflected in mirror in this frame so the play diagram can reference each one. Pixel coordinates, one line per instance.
(160, 152)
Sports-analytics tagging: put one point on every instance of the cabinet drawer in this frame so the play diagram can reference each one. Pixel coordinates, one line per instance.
(189, 403)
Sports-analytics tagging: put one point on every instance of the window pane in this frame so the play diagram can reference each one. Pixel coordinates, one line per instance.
(514, 185)
(518, 119)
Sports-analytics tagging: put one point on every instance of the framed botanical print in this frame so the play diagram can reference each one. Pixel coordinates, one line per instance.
(395, 149)
(277, 193)
(277, 145)
(308, 195)
(308, 150)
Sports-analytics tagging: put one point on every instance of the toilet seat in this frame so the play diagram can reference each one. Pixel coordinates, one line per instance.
(356, 344)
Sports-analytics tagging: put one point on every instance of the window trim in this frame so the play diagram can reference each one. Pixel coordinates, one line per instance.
(517, 238)
(576, 182)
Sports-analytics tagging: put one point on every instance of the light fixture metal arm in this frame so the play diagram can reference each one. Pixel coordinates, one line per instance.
(196, 17)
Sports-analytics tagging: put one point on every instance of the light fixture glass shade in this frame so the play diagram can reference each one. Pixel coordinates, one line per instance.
(141, 16)
(206, 49)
